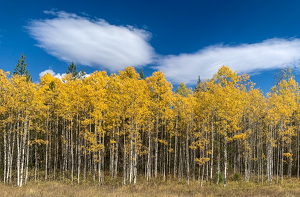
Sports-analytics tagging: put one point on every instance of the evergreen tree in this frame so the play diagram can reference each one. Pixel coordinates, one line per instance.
(82, 74)
(73, 70)
(142, 74)
(197, 88)
(20, 68)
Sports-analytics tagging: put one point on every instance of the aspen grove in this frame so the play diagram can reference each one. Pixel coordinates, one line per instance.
(129, 128)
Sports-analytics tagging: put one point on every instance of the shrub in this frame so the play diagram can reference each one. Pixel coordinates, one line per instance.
(236, 177)
(221, 178)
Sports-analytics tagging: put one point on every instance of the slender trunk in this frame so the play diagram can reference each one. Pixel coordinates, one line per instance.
(212, 149)
(156, 147)
(23, 149)
(124, 157)
(187, 155)
(225, 159)
(131, 154)
(18, 149)
(72, 151)
(35, 158)
(202, 176)
(27, 154)
(135, 155)
(112, 151)
(149, 155)
(176, 144)
(5, 160)
(47, 147)
(298, 161)
(281, 161)
(116, 153)
(79, 160)
(290, 158)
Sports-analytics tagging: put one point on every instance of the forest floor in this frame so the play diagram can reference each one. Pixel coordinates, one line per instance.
(171, 188)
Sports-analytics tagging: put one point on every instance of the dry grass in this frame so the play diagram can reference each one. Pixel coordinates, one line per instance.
(171, 188)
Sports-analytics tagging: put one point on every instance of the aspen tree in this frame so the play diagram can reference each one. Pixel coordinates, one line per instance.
(79, 127)
(160, 95)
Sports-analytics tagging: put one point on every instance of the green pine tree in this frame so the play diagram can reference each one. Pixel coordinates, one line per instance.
(142, 74)
(198, 86)
(73, 70)
(20, 68)
(82, 74)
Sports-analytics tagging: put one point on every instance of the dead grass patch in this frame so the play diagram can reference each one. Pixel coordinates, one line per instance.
(159, 188)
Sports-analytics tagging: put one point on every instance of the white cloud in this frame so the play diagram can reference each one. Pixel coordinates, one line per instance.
(50, 71)
(58, 75)
(96, 43)
(245, 58)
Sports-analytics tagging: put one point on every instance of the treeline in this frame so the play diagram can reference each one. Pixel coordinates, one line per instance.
(126, 126)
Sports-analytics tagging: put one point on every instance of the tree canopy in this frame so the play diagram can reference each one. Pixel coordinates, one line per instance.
(125, 126)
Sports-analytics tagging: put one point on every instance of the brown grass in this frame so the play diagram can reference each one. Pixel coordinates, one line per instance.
(171, 188)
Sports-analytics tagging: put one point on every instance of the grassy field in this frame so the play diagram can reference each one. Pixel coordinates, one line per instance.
(171, 188)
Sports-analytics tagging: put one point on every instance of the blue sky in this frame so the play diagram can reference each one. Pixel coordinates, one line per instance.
(184, 39)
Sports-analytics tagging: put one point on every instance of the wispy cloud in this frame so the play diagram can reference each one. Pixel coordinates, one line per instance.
(245, 58)
(92, 42)
(96, 43)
